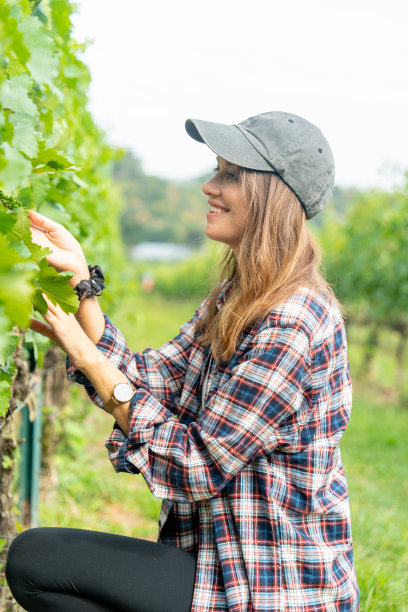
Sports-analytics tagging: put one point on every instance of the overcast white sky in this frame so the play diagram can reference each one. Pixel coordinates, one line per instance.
(341, 64)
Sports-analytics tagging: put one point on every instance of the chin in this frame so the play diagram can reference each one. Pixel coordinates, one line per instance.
(213, 235)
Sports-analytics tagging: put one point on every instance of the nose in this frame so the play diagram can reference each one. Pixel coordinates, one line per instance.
(211, 187)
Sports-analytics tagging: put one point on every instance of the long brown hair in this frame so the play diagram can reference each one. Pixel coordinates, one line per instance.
(276, 256)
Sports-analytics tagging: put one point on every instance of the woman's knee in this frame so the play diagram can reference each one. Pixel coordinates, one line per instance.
(17, 559)
(23, 549)
(19, 550)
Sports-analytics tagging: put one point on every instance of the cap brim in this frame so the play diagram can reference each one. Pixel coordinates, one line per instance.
(229, 142)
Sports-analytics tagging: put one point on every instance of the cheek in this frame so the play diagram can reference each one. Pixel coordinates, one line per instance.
(240, 210)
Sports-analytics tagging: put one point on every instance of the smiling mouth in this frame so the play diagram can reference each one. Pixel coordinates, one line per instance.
(215, 210)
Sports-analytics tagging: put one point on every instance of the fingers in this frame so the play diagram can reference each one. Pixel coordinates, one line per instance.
(53, 309)
(56, 320)
(42, 328)
(39, 236)
(43, 223)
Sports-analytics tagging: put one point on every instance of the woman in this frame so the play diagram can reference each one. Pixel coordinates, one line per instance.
(235, 423)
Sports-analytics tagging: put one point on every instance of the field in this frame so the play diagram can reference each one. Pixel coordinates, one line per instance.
(89, 494)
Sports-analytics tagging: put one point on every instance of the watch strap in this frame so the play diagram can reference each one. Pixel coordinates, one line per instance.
(112, 403)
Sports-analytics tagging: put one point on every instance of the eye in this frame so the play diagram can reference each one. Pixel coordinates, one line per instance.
(233, 177)
(229, 176)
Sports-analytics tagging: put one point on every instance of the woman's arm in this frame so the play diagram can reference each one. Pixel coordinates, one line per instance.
(65, 331)
(90, 317)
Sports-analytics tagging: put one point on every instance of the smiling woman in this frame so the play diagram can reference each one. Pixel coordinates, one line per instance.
(235, 423)
(228, 205)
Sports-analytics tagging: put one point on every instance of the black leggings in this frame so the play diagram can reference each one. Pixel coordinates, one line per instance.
(66, 570)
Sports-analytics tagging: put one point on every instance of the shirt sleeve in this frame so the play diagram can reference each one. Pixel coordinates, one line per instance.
(193, 462)
(160, 371)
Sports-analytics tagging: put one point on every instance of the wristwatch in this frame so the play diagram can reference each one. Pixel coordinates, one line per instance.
(121, 394)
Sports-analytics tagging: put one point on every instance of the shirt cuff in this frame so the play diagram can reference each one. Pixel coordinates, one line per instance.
(130, 454)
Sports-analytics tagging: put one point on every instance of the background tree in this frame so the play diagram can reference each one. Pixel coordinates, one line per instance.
(366, 259)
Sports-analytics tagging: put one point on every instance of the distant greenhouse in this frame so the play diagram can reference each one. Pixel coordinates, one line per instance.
(160, 251)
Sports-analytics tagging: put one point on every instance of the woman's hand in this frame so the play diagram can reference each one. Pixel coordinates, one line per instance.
(66, 250)
(66, 255)
(65, 331)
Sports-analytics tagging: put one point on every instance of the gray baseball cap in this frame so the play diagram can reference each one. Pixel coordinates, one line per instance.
(277, 142)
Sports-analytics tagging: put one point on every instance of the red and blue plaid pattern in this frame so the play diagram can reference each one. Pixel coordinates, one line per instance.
(254, 482)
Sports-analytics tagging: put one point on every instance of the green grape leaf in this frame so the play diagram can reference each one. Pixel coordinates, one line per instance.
(42, 63)
(6, 128)
(73, 71)
(14, 95)
(39, 189)
(49, 160)
(61, 17)
(10, 36)
(39, 303)
(6, 221)
(25, 135)
(26, 8)
(7, 372)
(38, 343)
(20, 238)
(38, 252)
(5, 394)
(8, 340)
(16, 170)
(24, 197)
(14, 67)
(15, 285)
(55, 286)
(21, 229)
(21, 249)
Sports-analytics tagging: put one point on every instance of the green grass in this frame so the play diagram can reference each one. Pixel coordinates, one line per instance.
(89, 494)
(152, 320)
(375, 457)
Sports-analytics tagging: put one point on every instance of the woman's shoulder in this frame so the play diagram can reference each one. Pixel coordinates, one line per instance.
(308, 309)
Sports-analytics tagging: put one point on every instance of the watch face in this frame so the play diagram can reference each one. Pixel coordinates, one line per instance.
(123, 392)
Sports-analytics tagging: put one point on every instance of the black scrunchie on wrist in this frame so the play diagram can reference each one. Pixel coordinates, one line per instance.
(91, 286)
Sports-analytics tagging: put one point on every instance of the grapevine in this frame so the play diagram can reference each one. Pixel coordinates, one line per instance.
(52, 157)
(55, 159)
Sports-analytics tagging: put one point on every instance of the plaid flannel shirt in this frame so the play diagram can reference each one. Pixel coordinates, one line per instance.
(254, 482)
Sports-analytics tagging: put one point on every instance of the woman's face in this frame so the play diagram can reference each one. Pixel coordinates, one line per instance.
(228, 209)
